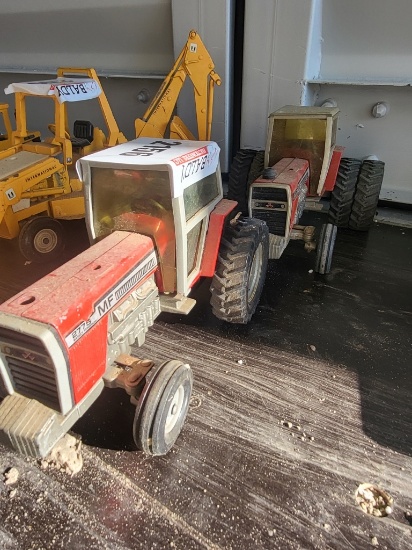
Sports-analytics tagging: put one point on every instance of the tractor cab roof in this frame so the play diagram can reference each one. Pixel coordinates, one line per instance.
(187, 161)
(63, 88)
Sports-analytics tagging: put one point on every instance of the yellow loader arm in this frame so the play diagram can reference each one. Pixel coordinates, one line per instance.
(194, 62)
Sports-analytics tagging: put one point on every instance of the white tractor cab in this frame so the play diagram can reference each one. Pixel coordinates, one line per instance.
(172, 191)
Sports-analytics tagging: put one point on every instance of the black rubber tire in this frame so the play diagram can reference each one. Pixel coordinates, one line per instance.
(157, 427)
(240, 271)
(41, 239)
(246, 166)
(325, 247)
(344, 191)
(367, 195)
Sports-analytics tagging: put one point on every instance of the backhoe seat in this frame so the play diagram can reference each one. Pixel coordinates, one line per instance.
(82, 133)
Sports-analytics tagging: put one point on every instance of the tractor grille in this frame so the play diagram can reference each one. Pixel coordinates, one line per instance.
(30, 367)
(275, 220)
(269, 193)
(269, 204)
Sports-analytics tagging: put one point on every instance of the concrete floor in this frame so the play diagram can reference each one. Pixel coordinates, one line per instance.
(289, 415)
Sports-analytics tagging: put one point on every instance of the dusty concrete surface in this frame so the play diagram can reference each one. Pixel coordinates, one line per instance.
(289, 416)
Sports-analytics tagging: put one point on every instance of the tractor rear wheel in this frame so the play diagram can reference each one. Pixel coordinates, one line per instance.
(342, 195)
(240, 271)
(247, 165)
(324, 249)
(158, 425)
(41, 238)
(367, 195)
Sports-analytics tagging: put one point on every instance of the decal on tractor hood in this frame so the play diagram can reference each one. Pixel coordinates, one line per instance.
(103, 306)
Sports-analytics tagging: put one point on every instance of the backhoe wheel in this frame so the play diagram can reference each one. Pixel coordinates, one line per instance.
(367, 195)
(41, 239)
(325, 246)
(240, 270)
(247, 165)
(157, 427)
(343, 193)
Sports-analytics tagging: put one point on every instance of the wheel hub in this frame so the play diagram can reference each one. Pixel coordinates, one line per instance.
(175, 409)
(45, 241)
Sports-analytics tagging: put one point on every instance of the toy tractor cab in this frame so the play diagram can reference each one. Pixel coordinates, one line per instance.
(300, 163)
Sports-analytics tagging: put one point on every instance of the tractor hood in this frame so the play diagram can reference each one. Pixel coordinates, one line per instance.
(65, 89)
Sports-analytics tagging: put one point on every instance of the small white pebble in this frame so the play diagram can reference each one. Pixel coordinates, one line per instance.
(240, 361)
(388, 510)
(312, 347)
(374, 541)
(11, 476)
(310, 271)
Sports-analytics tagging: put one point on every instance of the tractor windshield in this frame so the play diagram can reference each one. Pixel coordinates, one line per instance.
(138, 201)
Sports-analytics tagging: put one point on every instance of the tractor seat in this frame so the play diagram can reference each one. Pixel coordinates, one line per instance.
(82, 133)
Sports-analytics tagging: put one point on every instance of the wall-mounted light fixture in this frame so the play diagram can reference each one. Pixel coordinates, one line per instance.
(380, 109)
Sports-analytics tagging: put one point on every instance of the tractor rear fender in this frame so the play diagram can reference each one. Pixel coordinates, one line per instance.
(222, 213)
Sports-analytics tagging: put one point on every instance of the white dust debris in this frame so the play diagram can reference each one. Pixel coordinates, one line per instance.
(12, 493)
(373, 500)
(65, 455)
(11, 476)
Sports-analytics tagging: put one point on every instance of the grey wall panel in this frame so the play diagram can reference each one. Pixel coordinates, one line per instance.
(122, 37)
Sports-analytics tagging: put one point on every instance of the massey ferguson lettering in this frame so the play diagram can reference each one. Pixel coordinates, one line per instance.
(113, 297)
(150, 149)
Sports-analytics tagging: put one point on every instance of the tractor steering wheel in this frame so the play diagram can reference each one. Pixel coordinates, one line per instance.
(52, 128)
(148, 206)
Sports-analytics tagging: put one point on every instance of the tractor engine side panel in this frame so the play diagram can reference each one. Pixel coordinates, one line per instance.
(280, 201)
(75, 302)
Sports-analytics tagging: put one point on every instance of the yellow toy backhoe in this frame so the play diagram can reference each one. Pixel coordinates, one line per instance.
(38, 183)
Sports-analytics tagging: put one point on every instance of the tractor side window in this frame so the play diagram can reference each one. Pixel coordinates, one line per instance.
(200, 194)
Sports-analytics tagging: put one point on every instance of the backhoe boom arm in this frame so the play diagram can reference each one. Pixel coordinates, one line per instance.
(196, 63)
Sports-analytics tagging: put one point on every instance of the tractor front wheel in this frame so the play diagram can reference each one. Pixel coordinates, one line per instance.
(325, 246)
(157, 426)
(41, 238)
(240, 270)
